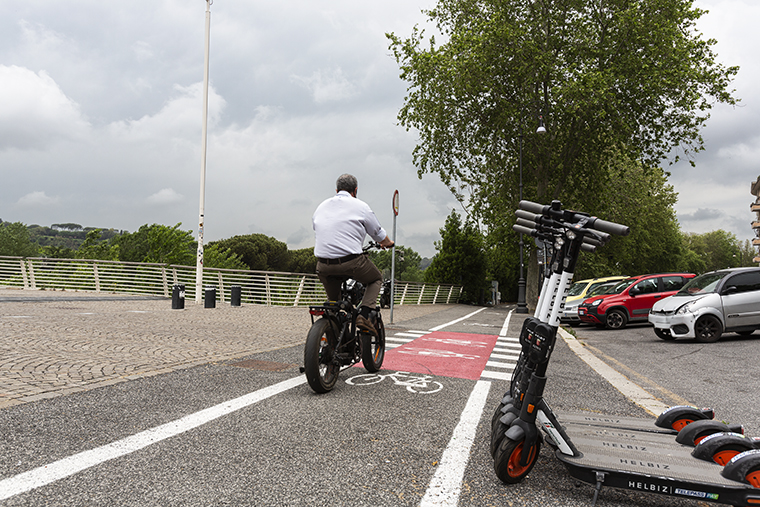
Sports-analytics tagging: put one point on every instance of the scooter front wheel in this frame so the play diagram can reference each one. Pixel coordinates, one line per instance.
(507, 460)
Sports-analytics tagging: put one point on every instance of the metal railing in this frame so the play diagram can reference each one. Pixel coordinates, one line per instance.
(257, 287)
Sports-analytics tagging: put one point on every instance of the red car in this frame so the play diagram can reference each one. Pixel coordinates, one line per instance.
(631, 299)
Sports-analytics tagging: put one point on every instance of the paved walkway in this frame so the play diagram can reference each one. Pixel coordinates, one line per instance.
(57, 343)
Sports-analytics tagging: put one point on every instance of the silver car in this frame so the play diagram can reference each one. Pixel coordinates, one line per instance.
(709, 305)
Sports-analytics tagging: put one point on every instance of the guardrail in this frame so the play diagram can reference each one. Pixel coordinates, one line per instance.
(257, 287)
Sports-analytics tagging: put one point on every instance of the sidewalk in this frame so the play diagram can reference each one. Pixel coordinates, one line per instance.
(57, 343)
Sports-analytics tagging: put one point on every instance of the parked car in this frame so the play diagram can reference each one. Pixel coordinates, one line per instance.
(631, 299)
(581, 290)
(709, 305)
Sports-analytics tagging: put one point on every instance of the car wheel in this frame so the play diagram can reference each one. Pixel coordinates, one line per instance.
(664, 335)
(616, 319)
(708, 329)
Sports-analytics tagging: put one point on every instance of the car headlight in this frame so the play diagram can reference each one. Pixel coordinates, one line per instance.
(685, 308)
(596, 303)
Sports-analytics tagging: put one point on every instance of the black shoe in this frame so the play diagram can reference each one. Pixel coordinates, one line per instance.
(365, 325)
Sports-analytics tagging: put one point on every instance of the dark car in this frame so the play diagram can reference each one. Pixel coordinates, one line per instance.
(631, 299)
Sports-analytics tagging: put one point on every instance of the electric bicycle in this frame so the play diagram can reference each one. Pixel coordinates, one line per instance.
(335, 343)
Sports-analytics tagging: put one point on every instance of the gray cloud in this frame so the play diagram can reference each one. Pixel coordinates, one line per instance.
(101, 117)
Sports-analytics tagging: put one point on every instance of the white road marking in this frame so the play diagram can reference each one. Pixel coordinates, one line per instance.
(496, 375)
(446, 484)
(438, 328)
(632, 391)
(505, 356)
(66, 467)
(505, 327)
(495, 364)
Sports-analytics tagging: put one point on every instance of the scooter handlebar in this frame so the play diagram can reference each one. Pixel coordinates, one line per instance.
(521, 229)
(593, 222)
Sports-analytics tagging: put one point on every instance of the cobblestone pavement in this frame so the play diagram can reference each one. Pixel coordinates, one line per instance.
(57, 343)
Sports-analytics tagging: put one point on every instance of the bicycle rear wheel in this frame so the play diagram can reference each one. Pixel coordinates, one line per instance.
(373, 347)
(321, 371)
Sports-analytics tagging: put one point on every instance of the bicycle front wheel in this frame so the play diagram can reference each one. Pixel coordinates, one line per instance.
(321, 371)
(373, 348)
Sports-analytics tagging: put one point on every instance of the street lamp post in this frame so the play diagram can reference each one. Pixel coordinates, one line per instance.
(522, 306)
(204, 141)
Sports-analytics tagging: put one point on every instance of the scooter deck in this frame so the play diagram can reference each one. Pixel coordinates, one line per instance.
(613, 421)
(647, 461)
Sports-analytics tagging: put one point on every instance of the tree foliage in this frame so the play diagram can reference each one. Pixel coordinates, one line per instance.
(407, 263)
(619, 84)
(461, 258)
(14, 240)
(159, 244)
(258, 251)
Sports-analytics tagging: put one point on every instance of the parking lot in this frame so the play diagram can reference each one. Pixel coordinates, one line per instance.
(137, 404)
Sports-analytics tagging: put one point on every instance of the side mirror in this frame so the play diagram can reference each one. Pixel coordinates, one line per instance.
(731, 289)
(633, 291)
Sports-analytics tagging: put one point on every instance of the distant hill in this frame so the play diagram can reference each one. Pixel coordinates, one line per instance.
(66, 235)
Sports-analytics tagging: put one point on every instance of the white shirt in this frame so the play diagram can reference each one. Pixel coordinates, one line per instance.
(340, 225)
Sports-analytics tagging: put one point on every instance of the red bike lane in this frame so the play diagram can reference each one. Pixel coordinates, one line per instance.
(457, 355)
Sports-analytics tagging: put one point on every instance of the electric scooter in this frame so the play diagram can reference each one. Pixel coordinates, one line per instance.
(680, 454)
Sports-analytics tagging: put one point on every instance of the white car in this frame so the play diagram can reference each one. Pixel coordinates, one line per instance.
(709, 305)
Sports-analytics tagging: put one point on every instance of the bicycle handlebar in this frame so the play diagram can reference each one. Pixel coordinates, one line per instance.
(573, 217)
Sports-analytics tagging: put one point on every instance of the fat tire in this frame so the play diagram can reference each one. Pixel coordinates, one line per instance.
(708, 329)
(321, 372)
(506, 461)
(373, 347)
(664, 335)
(616, 319)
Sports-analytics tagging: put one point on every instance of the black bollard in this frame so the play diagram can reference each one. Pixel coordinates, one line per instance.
(178, 297)
(235, 295)
(210, 298)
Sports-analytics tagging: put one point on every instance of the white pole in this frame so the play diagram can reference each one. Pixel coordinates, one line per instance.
(199, 262)
(393, 253)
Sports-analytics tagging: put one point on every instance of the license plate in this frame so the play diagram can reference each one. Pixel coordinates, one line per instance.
(581, 311)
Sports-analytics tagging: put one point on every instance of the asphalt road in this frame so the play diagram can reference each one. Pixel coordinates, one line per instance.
(178, 439)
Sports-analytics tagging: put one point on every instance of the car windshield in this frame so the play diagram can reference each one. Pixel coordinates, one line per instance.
(621, 286)
(601, 289)
(703, 284)
(577, 288)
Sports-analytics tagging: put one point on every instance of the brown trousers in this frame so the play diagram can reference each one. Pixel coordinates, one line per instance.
(360, 269)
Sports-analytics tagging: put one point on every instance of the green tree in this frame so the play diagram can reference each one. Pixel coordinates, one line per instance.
(302, 261)
(632, 81)
(407, 263)
(715, 250)
(639, 197)
(461, 258)
(216, 257)
(258, 251)
(15, 241)
(94, 248)
(58, 252)
(157, 243)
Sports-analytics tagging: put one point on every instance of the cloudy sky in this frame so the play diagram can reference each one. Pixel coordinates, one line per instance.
(100, 117)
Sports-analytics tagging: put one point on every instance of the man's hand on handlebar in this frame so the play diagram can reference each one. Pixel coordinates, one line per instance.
(387, 243)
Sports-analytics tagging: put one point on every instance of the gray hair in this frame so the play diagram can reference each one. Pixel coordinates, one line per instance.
(346, 182)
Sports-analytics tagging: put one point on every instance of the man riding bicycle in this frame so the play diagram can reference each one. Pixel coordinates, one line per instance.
(340, 225)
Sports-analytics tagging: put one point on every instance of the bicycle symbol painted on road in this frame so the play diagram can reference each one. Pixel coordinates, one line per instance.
(418, 384)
